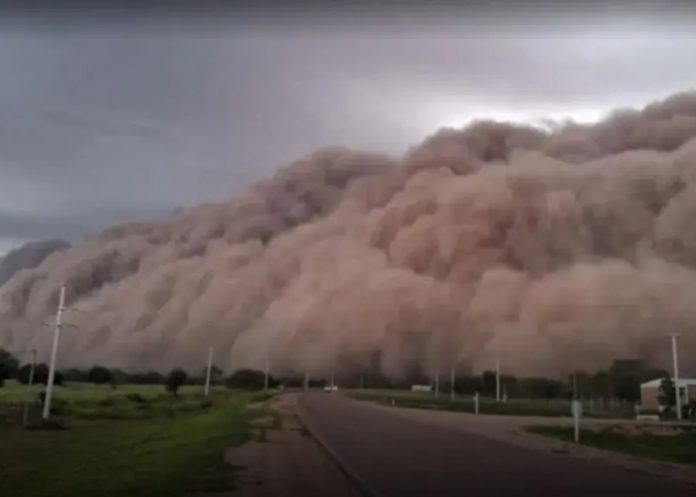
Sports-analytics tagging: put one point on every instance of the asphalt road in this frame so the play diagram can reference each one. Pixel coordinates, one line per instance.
(394, 456)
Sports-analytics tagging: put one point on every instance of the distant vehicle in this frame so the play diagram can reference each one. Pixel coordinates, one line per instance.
(330, 388)
(421, 388)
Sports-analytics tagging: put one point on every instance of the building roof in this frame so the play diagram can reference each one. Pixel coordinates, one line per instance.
(656, 383)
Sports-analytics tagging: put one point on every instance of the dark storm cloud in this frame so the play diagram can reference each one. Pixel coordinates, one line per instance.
(100, 124)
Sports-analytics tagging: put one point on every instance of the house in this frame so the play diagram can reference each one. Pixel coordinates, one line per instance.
(650, 392)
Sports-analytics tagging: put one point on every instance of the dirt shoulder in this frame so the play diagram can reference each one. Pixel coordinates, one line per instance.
(283, 459)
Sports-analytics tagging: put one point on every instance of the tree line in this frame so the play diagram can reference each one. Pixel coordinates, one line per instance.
(11, 368)
(622, 380)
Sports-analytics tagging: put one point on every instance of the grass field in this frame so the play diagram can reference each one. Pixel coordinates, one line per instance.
(487, 405)
(114, 446)
(679, 447)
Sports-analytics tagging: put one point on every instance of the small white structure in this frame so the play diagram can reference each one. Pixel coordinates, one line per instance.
(650, 392)
(421, 388)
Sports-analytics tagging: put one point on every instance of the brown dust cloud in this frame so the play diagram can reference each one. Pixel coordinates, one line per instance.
(549, 249)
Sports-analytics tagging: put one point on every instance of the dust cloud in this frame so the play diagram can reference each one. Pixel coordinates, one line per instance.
(550, 250)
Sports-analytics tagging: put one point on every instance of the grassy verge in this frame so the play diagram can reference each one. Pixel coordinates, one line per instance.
(117, 448)
(679, 447)
(88, 402)
(518, 407)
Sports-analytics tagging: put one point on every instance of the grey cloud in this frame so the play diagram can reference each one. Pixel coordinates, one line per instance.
(130, 122)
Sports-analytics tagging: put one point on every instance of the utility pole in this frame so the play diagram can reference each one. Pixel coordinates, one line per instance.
(31, 382)
(497, 380)
(452, 384)
(207, 373)
(575, 384)
(54, 352)
(265, 376)
(675, 364)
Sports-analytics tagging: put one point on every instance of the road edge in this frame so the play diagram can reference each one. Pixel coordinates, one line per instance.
(362, 485)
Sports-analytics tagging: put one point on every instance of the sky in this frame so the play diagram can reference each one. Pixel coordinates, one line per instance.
(110, 117)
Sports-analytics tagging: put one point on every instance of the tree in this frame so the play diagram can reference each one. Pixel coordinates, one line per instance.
(177, 378)
(118, 377)
(468, 384)
(8, 366)
(488, 382)
(668, 394)
(40, 374)
(540, 388)
(627, 386)
(580, 384)
(626, 376)
(149, 378)
(600, 384)
(215, 374)
(99, 375)
(249, 379)
(74, 374)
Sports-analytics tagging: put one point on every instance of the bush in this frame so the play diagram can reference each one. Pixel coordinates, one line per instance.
(135, 397)
(106, 402)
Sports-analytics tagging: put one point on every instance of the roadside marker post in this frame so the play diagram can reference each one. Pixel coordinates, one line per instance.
(25, 417)
(476, 403)
(576, 408)
(452, 384)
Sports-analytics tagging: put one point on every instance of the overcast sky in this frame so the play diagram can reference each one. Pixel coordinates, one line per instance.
(102, 124)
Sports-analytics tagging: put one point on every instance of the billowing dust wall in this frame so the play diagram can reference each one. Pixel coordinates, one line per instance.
(551, 250)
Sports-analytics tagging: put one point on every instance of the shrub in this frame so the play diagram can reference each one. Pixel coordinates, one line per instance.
(135, 397)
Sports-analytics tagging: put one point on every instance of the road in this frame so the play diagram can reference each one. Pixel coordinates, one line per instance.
(396, 456)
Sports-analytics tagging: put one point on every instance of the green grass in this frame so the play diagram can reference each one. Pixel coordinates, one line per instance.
(113, 447)
(85, 401)
(487, 405)
(679, 448)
